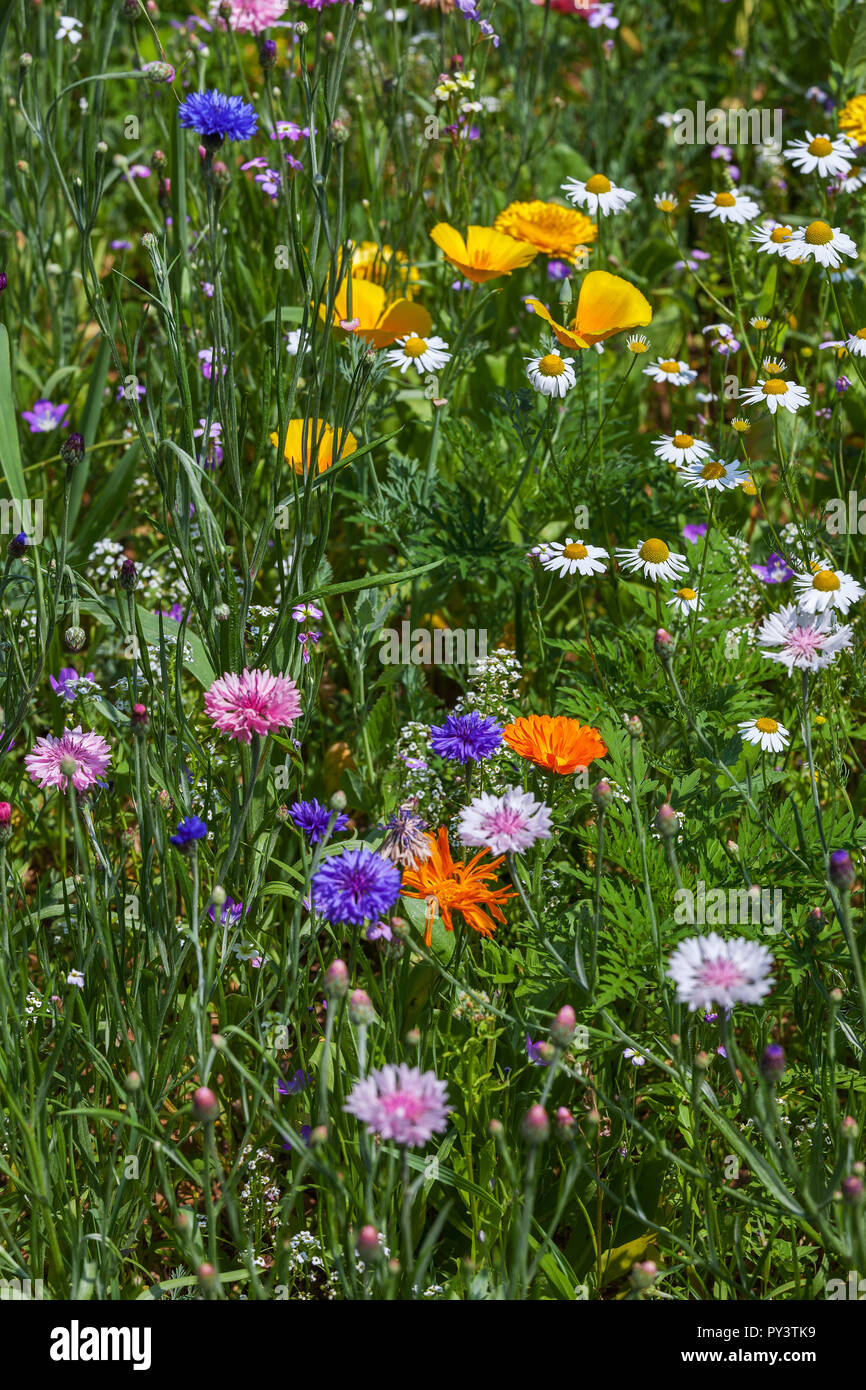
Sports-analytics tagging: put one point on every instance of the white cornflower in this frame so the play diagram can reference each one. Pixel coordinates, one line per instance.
(806, 641)
(685, 601)
(681, 449)
(424, 354)
(674, 373)
(551, 374)
(819, 154)
(654, 559)
(769, 733)
(573, 557)
(823, 588)
(727, 206)
(597, 193)
(718, 475)
(708, 970)
(775, 393)
(506, 824)
(820, 242)
(772, 237)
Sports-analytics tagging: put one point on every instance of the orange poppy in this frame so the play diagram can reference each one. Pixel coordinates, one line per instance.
(456, 887)
(553, 741)
(607, 304)
(483, 254)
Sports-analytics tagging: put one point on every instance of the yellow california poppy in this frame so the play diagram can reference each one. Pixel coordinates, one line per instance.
(607, 304)
(318, 444)
(376, 318)
(484, 254)
(383, 264)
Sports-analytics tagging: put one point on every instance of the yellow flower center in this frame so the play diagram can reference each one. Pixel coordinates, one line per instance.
(821, 146)
(766, 726)
(688, 594)
(654, 552)
(714, 470)
(772, 368)
(725, 200)
(551, 365)
(597, 184)
(780, 234)
(741, 426)
(636, 345)
(861, 333)
(683, 441)
(669, 366)
(414, 347)
(775, 388)
(575, 551)
(825, 581)
(761, 324)
(819, 233)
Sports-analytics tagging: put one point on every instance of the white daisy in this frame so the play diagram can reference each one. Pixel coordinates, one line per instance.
(681, 449)
(773, 366)
(685, 601)
(674, 373)
(856, 344)
(807, 641)
(597, 193)
(769, 733)
(666, 202)
(775, 393)
(552, 375)
(850, 182)
(771, 237)
(820, 242)
(717, 475)
(819, 154)
(822, 588)
(572, 557)
(637, 342)
(655, 560)
(761, 323)
(708, 970)
(727, 206)
(424, 354)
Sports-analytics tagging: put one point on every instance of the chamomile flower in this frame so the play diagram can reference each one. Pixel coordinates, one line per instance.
(773, 366)
(772, 237)
(716, 475)
(760, 323)
(727, 206)
(654, 559)
(670, 371)
(598, 194)
(424, 354)
(551, 374)
(856, 344)
(768, 733)
(822, 588)
(637, 342)
(685, 601)
(822, 243)
(572, 557)
(741, 424)
(820, 155)
(666, 202)
(681, 449)
(776, 394)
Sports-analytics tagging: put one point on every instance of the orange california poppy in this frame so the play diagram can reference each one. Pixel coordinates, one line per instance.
(555, 742)
(316, 442)
(460, 887)
(376, 318)
(484, 254)
(607, 304)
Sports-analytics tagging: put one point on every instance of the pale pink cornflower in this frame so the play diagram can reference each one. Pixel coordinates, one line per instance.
(255, 702)
(807, 641)
(249, 16)
(708, 970)
(505, 824)
(90, 753)
(401, 1103)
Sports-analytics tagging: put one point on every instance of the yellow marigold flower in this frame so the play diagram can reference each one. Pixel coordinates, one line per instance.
(552, 230)
(315, 443)
(852, 118)
(555, 742)
(384, 266)
(607, 304)
(484, 254)
(375, 317)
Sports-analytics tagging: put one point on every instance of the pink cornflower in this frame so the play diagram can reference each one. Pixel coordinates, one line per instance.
(401, 1103)
(255, 702)
(708, 970)
(90, 753)
(809, 641)
(249, 16)
(505, 824)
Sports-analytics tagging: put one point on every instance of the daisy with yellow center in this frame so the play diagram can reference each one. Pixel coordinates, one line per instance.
(727, 206)
(553, 230)
(312, 442)
(653, 559)
(771, 238)
(820, 242)
(822, 587)
(749, 486)
(716, 475)
(671, 372)
(852, 118)
(597, 194)
(607, 304)
(856, 344)
(760, 323)
(424, 354)
(572, 557)
(637, 343)
(818, 154)
(665, 202)
(741, 425)
(773, 366)
(363, 307)
(680, 449)
(685, 601)
(776, 394)
(484, 254)
(551, 374)
(768, 733)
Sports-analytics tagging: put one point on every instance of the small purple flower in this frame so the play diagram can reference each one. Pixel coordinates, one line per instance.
(466, 738)
(230, 911)
(775, 571)
(205, 358)
(535, 1052)
(294, 1084)
(44, 417)
(379, 931)
(121, 245)
(188, 832)
(124, 392)
(694, 532)
(312, 818)
(559, 270)
(306, 613)
(67, 681)
(216, 117)
(842, 385)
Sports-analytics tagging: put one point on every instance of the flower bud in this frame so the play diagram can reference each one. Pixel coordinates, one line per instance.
(74, 639)
(267, 55)
(496, 1128)
(602, 794)
(339, 801)
(413, 1037)
(207, 1276)
(158, 72)
(158, 159)
(205, 1104)
(565, 1123)
(72, 449)
(222, 613)
(633, 725)
(663, 642)
(643, 1273)
(337, 980)
(319, 1136)
(18, 545)
(841, 870)
(361, 1011)
(133, 1082)
(667, 821)
(367, 1244)
(139, 719)
(4, 280)
(128, 576)
(850, 1127)
(536, 1125)
(562, 1028)
(852, 1191)
(773, 1063)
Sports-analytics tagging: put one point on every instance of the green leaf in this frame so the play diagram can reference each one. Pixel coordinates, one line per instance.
(10, 452)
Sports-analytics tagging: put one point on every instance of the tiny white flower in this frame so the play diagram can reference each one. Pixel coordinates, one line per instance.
(635, 1057)
(75, 977)
(685, 601)
(597, 193)
(70, 28)
(772, 736)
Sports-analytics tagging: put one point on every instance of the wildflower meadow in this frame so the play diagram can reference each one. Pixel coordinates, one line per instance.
(432, 697)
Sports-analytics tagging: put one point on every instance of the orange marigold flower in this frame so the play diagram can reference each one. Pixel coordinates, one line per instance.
(553, 741)
(456, 887)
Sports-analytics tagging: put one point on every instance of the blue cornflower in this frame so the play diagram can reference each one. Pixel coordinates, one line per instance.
(293, 1085)
(230, 911)
(188, 831)
(312, 818)
(216, 117)
(467, 738)
(354, 886)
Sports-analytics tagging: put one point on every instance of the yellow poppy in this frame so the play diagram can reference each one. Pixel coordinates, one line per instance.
(383, 264)
(607, 304)
(318, 445)
(484, 254)
(376, 318)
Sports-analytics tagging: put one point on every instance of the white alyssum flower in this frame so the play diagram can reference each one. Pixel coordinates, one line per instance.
(597, 194)
(727, 206)
(572, 557)
(709, 970)
(772, 736)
